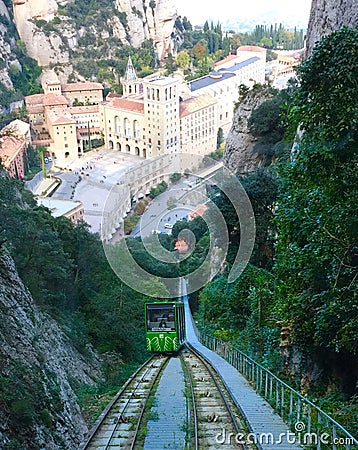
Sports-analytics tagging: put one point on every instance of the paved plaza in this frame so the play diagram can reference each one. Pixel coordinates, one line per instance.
(90, 179)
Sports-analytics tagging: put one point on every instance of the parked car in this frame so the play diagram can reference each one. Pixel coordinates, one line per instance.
(168, 225)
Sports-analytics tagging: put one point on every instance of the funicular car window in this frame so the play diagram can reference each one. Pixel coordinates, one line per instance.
(160, 317)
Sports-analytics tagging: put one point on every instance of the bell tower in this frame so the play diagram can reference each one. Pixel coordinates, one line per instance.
(131, 84)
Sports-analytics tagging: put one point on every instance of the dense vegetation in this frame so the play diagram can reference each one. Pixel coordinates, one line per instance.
(301, 279)
(68, 275)
(300, 288)
(202, 47)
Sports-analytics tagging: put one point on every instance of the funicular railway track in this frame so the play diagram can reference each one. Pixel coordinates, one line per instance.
(209, 406)
(118, 425)
(212, 409)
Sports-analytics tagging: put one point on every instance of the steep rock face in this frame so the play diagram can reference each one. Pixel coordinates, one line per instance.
(45, 48)
(6, 47)
(38, 369)
(143, 19)
(238, 154)
(145, 22)
(328, 16)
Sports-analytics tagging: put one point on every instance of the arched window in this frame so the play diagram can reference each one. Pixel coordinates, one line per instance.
(166, 94)
(110, 145)
(117, 126)
(128, 148)
(136, 151)
(119, 147)
(127, 127)
(153, 94)
(136, 130)
(144, 153)
(158, 98)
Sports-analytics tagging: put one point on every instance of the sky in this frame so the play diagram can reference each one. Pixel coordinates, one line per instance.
(197, 11)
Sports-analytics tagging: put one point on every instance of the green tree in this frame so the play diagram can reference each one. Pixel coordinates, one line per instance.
(220, 138)
(170, 64)
(199, 51)
(183, 59)
(317, 212)
(176, 176)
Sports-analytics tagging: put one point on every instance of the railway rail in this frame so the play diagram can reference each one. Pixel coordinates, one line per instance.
(118, 425)
(210, 410)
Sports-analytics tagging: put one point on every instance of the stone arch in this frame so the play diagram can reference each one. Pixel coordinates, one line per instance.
(128, 148)
(136, 151)
(110, 145)
(119, 147)
(144, 153)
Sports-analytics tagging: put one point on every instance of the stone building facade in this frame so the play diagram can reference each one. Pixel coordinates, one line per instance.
(65, 129)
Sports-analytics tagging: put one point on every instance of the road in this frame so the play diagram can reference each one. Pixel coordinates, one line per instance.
(185, 200)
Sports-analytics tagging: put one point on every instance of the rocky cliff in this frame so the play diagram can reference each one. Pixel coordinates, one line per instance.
(238, 155)
(50, 34)
(39, 368)
(327, 16)
(7, 45)
(43, 47)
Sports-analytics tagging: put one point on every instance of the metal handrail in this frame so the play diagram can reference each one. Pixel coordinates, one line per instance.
(315, 428)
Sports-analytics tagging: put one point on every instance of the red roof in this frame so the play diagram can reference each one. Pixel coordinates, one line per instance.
(81, 86)
(35, 99)
(129, 105)
(251, 48)
(35, 109)
(194, 104)
(226, 60)
(10, 147)
(54, 100)
(61, 120)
